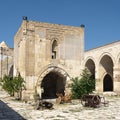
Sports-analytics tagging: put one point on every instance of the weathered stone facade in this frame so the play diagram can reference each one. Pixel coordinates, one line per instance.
(48, 55)
(6, 60)
(104, 63)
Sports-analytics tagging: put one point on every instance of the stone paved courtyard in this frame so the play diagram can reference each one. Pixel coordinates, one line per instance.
(14, 110)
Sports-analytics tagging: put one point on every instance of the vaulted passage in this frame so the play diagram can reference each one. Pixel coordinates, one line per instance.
(106, 66)
(107, 83)
(53, 83)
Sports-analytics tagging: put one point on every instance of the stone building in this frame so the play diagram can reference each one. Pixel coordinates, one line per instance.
(6, 60)
(104, 64)
(48, 55)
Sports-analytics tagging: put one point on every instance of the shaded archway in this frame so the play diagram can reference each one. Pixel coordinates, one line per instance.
(106, 64)
(90, 65)
(106, 67)
(11, 71)
(107, 83)
(53, 83)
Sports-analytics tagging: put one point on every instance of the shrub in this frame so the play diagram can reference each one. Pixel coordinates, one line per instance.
(83, 85)
(13, 85)
(18, 83)
(7, 85)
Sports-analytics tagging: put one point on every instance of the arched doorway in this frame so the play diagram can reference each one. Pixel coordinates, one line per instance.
(107, 83)
(106, 67)
(53, 83)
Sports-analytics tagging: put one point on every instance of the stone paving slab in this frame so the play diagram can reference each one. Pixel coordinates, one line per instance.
(14, 110)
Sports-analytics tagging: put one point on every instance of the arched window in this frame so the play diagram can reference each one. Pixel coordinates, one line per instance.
(54, 49)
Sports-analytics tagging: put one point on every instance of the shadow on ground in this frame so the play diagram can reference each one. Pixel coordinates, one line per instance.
(7, 113)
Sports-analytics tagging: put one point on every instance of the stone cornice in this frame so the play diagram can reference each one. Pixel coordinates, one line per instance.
(56, 26)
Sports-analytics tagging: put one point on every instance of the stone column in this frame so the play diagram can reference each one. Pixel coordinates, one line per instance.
(99, 82)
(68, 86)
(0, 62)
(116, 79)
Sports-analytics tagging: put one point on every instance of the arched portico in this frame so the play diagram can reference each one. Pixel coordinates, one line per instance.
(106, 63)
(106, 70)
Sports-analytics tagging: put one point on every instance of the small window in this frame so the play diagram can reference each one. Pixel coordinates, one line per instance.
(54, 49)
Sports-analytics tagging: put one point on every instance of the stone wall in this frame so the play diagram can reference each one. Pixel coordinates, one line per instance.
(6, 60)
(107, 61)
(39, 45)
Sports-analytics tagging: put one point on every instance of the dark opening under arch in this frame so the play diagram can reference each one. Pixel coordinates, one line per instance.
(51, 84)
(54, 49)
(107, 83)
(11, 71)
(90, 65)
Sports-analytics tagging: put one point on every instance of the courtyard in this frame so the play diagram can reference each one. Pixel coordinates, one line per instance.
(10, 109)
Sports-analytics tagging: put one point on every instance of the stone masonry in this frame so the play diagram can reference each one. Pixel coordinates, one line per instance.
(48, 55)
(6, 60)
(45, 51)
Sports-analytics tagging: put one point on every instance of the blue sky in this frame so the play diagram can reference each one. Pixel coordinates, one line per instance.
(100, 17)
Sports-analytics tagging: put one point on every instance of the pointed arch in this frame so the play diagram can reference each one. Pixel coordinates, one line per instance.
(53, 83)
(106, 54)
(90, 65)
(106, 64)
(106, 69)
(52, 80)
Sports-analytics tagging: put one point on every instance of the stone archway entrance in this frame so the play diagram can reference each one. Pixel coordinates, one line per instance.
(52, 80)
(51, 84)
(106, 68)
(107, 83)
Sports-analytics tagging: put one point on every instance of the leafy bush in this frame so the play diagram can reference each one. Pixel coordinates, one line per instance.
(7, 85)
(83, 85)
(18, 83)
(13, 85)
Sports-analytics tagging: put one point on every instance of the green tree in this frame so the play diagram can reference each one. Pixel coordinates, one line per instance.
(82, 85)
(7, 85)
(13, 85)
(18, 83)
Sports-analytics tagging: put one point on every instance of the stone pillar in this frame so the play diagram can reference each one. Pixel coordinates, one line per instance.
(0, 62)
(68, 86)
(29, 93)
(99, 82)
(116, 79)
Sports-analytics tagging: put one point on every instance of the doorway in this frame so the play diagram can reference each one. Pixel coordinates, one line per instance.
(51, 84)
